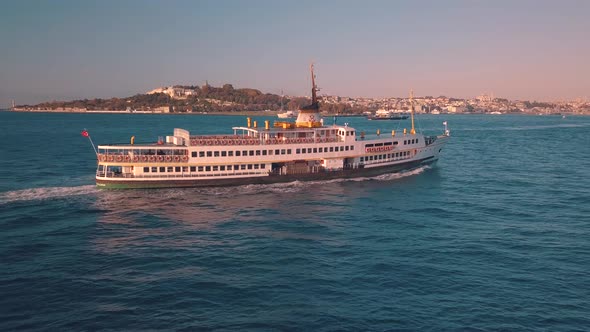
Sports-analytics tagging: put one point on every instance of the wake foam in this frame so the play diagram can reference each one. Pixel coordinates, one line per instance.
(297, 186)
(45, 193)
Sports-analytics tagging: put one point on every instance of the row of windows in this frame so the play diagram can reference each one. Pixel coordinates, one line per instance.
(325, 149)
(244, 153)
(411, 141)
(386, 156)
(216, 168)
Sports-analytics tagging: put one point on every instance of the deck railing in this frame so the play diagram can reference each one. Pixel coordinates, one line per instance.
(119, 158)
(249, 140)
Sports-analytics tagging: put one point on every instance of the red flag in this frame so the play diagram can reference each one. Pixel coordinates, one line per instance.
(85, 133)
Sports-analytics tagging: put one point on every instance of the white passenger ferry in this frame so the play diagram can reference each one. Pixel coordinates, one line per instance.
(286, 151)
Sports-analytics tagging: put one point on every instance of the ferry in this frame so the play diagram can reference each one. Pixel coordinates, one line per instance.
(284, 152)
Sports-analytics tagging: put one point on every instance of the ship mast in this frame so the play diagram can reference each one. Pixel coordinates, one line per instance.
(413, 131)
(314, 88)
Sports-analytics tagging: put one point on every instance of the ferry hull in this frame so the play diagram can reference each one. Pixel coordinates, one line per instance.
(221, 182)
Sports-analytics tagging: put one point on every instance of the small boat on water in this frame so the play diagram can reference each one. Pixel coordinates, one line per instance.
(383, 114)
(287, 115)
(286, 151)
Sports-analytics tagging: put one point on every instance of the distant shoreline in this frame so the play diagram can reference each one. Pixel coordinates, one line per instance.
(253, 113)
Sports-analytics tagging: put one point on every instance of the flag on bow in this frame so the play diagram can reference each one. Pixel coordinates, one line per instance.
(85, 133)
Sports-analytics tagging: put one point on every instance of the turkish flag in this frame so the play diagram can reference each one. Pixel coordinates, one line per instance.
(85, 133)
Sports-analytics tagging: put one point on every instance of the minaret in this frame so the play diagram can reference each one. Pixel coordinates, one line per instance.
(309, 116)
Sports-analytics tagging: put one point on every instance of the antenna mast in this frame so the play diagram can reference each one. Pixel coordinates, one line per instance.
(413, 131)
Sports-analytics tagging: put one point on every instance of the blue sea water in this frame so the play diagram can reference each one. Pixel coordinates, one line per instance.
(496, 236)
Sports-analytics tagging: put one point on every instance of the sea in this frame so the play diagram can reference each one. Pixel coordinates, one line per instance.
(494, 237)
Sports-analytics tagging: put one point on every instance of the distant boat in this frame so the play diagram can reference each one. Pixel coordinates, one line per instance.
(387, 115)
(287, 115)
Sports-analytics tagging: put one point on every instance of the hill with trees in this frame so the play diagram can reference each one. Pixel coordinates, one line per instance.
(192, 99)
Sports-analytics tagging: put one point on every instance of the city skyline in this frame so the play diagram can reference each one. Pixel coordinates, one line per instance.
(64, 50)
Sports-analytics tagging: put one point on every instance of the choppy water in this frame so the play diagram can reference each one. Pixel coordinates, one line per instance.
(496, 236)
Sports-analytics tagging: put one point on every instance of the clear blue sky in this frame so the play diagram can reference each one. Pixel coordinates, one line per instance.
(56, 50)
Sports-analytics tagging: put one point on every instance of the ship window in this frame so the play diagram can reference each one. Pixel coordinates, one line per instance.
(264, 152)
(297, 151)
(321, 150)
(200, 168)
(224, 153)
(242, 166)
(251, 152)
(162, 169)
(387, 143)
(395, 143)
(201, 153)
(209, 154)
(193, 169)
(362, 159)
(263, 166)
(346, 148)
(230, 153)
(370, 157)
(341, 148)
(146, 169)
(237, 153)
(215, 168)
(283, 151)
(244, 153)
(249, 166)
(277, 152)
(351, 147)
(405, 142)
(177, 169)
(154, 169)
(256, 166)
(194, 154)
(216, 154)
(303, 150)
(207, 168)
(315, 150)
(236, 167)
(331, 149)
(170, 169)
(222, 168)
(229, 167)
(288, 151)
(416, 140)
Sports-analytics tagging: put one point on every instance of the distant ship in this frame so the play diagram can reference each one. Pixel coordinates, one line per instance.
(287, 115)
(383, 114)
(287, 151)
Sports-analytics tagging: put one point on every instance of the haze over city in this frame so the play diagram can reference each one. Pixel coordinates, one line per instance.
(64, 50)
